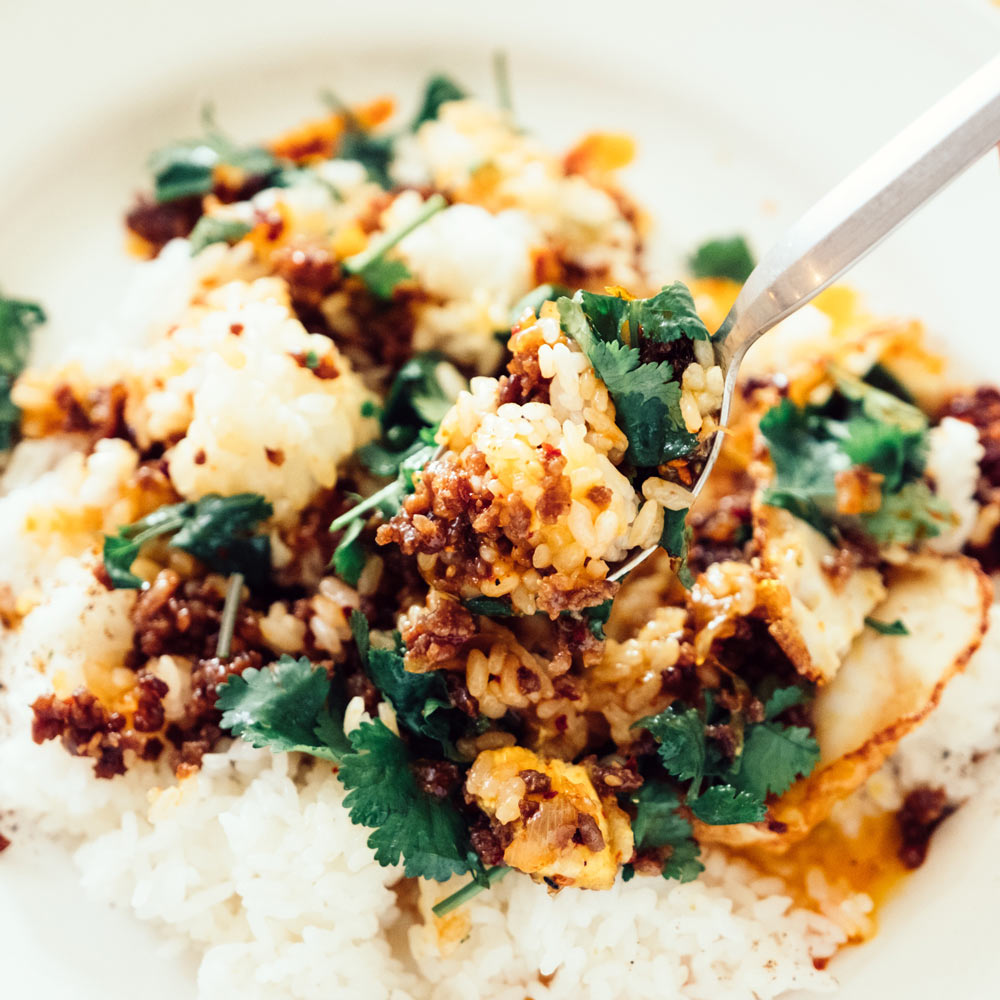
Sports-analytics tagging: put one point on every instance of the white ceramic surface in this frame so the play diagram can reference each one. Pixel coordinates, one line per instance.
(745, 113)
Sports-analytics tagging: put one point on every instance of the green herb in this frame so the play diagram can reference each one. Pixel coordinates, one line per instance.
(860, 425)
(610, 331)
(729, 257)
(597, 617)
(722, 805)
(420, 701)
(768, 760)
(887, 628)
(427, 834)
(381, 275)
(438, 90)
(349, 556)
(284, 708)
(659, 823)
(534, 301)
(211, 229)
(468, 891)
(17, 321)
(312, 362)
(490, 607)
(501, 76)
(675, 540)
(187, 168)
(227, 624)
(217, 530)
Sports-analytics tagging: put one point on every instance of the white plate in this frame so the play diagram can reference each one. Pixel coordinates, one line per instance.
(745, 113)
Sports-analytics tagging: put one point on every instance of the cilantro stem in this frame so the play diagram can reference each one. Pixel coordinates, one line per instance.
(228, 624)
(460, 898)
(392, 491)
(501, 75)
(379, 247)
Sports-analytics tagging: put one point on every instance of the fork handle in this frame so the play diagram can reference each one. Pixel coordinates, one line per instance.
(863, 209)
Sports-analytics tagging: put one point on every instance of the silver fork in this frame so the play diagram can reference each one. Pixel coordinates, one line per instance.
(840, 229)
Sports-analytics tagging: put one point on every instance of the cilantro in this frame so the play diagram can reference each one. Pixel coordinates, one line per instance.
(861, 425)
(721, 805)
(312, 362)
(681, 735)
(212, 229)
(380, 275)
(217, 530)
(774, 756)
(659, 823)
(535, 299)
(473, 888)
(420, 701)
(285, 708)
(373, 152)
(17, 321)
(187, 168)
(723, 258)
(427, 834)
(646, 396)
(438, 90)
(349, 555)
(597, 617)
(501, 76)
(783, 699)
(227, 623)
(769, 758)
(675, 541)
(887, 628)
(491, 607)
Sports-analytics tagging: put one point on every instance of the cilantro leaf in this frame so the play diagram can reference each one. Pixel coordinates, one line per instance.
(659, 823)
(373, 152)
(420, 701)
(349, 555)
(597, 617)
(285, 708)
(774, 756)
(211, 229)
(187, 168)
(536, 298)
(887, 628)
(439, 90)
(783, 699)
(669, 315)
(861, 425)
(675, 540)
(217, 530)
(646, 396)
(427, 834)
(722, 805)
(491, 607)
(729, 257)
(18, 319)
(380, 275)
(681, 735)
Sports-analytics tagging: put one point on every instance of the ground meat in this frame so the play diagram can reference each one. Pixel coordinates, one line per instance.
(614, 779)
(87, 729)
(312, 272)
(556, 594)
(588, 833)
(183, 617)
(557, 490)
(528, 808)
(438, 632)
(149, 714)
(536, 782)
(721, 534)
(437, 777)
(924, 809)
(527, 680)
(485, 841)
(158, 224)
(458, 693)
(679, 352)
(4, 843)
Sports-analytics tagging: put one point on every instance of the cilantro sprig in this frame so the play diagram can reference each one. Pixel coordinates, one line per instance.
(659, 823)
(380, 273)
(218, 530)
(612, 331)
(860, 425)
(728, 257)
(18, 319)
(211, 229)
(770, 756)
(187, 167)
(896, 627)
(295, 706)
